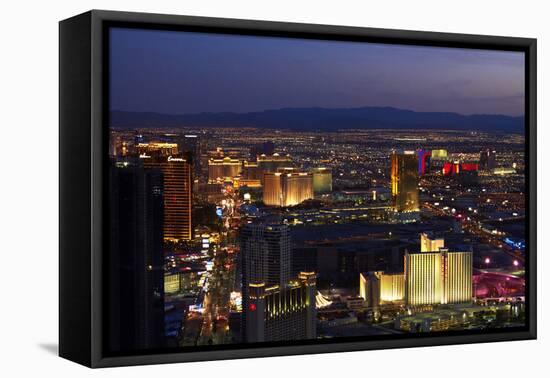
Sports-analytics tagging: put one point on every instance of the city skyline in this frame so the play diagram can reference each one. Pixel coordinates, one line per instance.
(311, 227)
(298, 235)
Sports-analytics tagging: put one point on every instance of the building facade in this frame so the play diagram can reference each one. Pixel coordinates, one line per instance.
(272, 189)
(287, 189)
(178, 197)
(404, 181)
(378, 288)
(435, 275)
(266, 254)
(423, 278)
(457, 277)
(223, 169)
(278, 314)
(392, 287)
(178, 194)
(275, 306)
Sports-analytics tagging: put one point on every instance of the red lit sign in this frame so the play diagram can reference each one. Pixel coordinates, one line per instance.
(252, 307)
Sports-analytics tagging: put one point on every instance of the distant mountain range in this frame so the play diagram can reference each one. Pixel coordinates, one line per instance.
(325, 119)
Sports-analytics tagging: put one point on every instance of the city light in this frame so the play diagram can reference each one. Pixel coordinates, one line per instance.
(230, 228)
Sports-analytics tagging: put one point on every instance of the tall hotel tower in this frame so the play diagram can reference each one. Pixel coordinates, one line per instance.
(457, 272)
(404, 181)
(435, 275)
(423, 278)
(266, 254)
(272, 191)
(178, 196)
(178, 193)
(274, 306)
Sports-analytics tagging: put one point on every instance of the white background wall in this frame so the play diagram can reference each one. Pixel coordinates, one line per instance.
(29, 189)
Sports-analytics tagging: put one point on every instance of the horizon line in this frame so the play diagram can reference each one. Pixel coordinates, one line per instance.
(319, 107)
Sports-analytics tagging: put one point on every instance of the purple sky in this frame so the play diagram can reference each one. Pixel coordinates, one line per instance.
(181, 72)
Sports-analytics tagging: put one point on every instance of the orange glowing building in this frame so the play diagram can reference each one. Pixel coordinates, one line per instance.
(178, 194)
(404, 181)
(287, 189)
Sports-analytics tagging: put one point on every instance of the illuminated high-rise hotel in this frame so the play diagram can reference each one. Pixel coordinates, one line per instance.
(274, 306)
(404, 181)
(273, 191)
(287, 189)
(266, 253)
(422, 278)
(297, 187)
(435, 275)
(265, 261)
(457, 277)
(273, 313)
(178, 190)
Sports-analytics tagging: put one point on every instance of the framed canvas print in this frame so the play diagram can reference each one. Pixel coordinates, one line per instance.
(233, 188)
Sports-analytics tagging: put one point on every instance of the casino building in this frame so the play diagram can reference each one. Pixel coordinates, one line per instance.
(287, 188)
(223, 169)
(436, 275)
(177, 172)
(433, 275)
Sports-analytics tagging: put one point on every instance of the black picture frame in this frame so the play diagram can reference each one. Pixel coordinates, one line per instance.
(83, 99)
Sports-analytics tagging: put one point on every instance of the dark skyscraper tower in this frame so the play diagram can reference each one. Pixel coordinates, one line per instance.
(135, 303)
(275, 307)
(266, 254)
(191, 145)
(404, 181)
(265, 261)
(487, 160)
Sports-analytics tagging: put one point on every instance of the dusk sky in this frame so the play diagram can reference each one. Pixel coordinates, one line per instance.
(179, 72)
